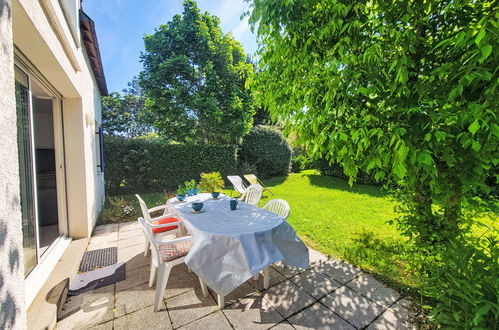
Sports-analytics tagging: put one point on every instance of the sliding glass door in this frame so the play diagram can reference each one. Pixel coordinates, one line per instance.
(26, 170)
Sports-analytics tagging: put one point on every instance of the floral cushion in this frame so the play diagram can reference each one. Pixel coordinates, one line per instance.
(163, 221)
(172, 251)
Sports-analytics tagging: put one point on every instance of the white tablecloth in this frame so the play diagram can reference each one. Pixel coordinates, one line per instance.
(229, 247)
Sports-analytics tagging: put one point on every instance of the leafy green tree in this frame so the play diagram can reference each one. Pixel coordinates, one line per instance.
(195, 78)
(407, 90)
(123, 114)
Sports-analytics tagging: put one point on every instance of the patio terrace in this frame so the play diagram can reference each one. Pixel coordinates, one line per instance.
(329, 295)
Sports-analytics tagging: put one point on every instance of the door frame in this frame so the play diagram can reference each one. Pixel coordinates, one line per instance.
(46, 262)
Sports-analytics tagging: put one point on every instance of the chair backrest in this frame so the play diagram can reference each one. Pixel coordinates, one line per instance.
(148, 232)
(237, 183)
(253, 194)
(252, 179)
(143, 207)
(278, 206)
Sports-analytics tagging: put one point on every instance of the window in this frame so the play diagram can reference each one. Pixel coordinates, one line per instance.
(99, 148)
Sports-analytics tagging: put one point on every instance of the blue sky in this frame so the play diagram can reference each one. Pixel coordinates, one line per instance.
(121, 25)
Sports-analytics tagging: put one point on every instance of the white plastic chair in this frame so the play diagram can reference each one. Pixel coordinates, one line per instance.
(168, 221)
(164, 256)
(238, 184)
(278, 206)
(253, 194)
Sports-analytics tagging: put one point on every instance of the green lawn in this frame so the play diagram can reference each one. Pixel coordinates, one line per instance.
(341, 221)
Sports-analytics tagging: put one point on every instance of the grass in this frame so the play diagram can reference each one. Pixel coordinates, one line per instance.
(344, 222)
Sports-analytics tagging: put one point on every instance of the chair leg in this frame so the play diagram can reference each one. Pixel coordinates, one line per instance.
(152, 277)
(221, 301)
(146, 247)
(203, 287)
(163, 274)
(266, 277)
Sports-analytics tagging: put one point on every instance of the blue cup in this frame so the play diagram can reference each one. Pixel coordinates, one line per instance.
(197, 206)
(233, 204)
(180, 197)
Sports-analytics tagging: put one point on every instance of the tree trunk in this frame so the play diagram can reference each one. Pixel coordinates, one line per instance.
(452, 213)
(422, 207)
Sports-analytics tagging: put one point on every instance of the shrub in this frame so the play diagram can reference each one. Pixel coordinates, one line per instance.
(268, 150)
(300, 163)
(141, 165)
(336, 170)
(465, 285)
(247, 168)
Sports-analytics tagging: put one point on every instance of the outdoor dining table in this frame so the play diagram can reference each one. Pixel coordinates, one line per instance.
(229, 247)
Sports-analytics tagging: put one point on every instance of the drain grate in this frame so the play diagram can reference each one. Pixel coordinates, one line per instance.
(98, 258)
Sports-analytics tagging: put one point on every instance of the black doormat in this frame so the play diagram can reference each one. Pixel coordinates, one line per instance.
(98, 258)
(97, 278)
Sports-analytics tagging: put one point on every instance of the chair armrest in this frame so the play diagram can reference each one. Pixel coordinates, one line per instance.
(185, 238)
(157, 208)
(169, 224)
(167, 215)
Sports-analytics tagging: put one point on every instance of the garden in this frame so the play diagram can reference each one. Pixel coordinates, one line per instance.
(379, 127)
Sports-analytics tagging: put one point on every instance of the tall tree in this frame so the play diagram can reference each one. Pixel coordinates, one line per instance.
(406, 89)
(123, 114)
(195, 78)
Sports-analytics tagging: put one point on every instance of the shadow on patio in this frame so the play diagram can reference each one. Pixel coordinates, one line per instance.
(328, 295)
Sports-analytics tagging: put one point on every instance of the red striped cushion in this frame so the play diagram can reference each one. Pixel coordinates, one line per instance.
(163, 221)
(172, 251)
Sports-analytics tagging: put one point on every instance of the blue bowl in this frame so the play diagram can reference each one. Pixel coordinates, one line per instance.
(180, 197)
(215, 194)
(197, 206)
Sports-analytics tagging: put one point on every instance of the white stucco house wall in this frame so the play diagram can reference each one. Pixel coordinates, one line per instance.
(51, 165)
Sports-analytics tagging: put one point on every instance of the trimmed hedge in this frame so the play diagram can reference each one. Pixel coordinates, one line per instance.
(267, 149)
(139, 165)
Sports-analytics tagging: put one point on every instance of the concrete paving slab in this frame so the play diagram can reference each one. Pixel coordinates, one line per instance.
(145, 319)
(131, 241)
(189, 306)
(287, 271)
(181, 282)
(287, 298)
(404, 309)
(134, 299)
(102, 242)
(315, 283)
(371, 288)
(134, 278)
(212, 321)
(88, 309)
(352, 306)
(107, 228)
(316, 258)
(320, 317)
(339, 271)
(390, 321)
(252, 312)
(131, 225)
(239, 293)
(275, 278)
(133, 256)
(103, 326)
(131, 233)
(284, 325)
